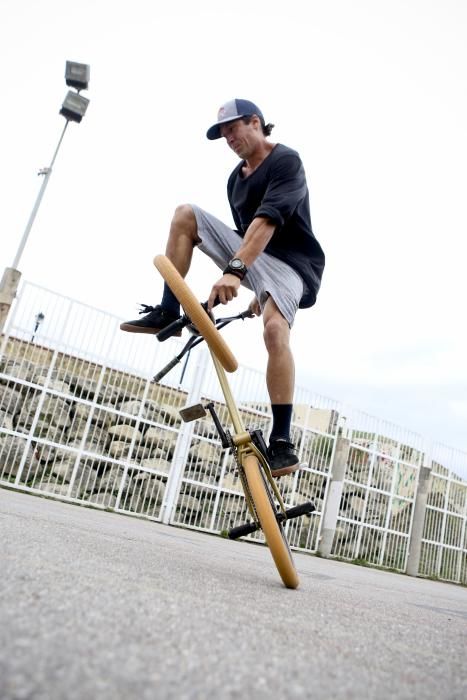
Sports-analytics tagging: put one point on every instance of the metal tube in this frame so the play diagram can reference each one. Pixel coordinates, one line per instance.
(47, 173)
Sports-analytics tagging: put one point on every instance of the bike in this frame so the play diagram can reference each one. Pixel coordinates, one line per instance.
(262, 496)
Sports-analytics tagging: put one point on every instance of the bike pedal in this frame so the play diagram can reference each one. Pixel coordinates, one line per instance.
(242, 530)
(297, 511)
(191, 413)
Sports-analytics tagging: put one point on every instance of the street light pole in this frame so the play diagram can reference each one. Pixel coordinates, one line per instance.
(73, 109)
(46, 172)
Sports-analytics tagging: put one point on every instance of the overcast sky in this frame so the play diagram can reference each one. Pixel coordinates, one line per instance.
(371, 93)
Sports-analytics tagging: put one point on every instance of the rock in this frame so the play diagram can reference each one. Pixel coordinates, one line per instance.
(6, 421)
(11, 399)
(124, 433)
(144, 496)
(110, 482)
(44, 453)
(83, 387)
(206, 428)
(133, 407)
(63, 470)
(189, 505)
(141, 452)
(19, 369)
(85, 480)
(53, 487)
(169, 415)
(162, 465)
(158, 438)
(232, 482)
(119, 449)
(81, 411)
(11, 453)
(96, 437)
(108, 395)
(50, 432)
(102, 418)
(108, 500)
(152, 410)
(56, 410)
(206, 452)
(56, 380)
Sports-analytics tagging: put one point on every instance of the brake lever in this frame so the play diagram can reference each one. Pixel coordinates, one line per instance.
(242, 316)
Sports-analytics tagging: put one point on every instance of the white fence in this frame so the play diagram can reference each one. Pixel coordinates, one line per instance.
(81, 420)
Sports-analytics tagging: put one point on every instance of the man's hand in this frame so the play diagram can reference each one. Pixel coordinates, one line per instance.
(226, 289)
(254, 307)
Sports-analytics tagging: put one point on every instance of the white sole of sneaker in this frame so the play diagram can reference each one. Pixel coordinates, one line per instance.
(139, 329)
(286, 470)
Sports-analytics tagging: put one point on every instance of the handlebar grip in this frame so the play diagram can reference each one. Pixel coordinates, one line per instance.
(166, 370)
(173, 328)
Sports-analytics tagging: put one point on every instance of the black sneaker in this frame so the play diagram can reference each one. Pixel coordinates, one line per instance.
(154, 320)
(282, 457)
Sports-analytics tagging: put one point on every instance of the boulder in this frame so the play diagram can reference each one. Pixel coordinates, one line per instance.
(152, 410)
(53, 487)
(169, 415)
(189, 505)
(119, 449)
(205, 452)
(56, 410)
(231, 482)
(133, 408)
(110, 482)
(11, 452)
(19, 369)
(6, 421)
(83, 387)
(11, 399)
(107, 500)
(160, 439)
(125, 432)
(157, 463)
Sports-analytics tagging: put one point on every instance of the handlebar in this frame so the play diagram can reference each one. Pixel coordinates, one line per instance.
(180, 323)
(195, 339)
(173, 328)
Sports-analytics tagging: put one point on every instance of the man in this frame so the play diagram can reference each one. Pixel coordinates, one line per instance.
(273, 252)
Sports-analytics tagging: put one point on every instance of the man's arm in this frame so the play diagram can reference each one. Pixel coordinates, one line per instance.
(257, 236)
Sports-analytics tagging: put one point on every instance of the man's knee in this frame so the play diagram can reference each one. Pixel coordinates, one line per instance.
(276, 333)
(184, 219)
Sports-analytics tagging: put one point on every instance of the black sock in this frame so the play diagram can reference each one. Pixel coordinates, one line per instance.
(281, 419)
(169, 301)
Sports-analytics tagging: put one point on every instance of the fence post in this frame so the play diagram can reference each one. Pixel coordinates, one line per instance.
(415, 541)
(8, 288)
(182, 446)
(331, 508)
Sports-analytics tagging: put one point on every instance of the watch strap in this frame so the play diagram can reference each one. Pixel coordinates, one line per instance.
(238, 272)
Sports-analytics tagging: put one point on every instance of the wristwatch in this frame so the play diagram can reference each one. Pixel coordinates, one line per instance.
(236, 267)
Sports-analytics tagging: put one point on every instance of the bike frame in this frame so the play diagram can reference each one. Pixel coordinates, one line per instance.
(242, 440)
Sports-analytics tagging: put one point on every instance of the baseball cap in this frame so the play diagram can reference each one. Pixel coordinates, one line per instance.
(229, 112)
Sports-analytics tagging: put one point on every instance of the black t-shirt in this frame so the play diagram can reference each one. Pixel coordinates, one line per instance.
(277, 190)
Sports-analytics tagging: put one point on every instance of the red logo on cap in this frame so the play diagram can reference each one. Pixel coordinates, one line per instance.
(221, 113)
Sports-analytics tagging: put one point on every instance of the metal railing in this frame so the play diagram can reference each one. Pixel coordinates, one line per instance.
(81, 420)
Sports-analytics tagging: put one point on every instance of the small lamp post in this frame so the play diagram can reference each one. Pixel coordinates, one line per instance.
(73, 109)
(38, 320)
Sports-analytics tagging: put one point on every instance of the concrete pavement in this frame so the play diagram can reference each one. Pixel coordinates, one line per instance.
(99, 605)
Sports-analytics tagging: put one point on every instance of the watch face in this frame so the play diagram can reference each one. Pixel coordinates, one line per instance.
(236, 263)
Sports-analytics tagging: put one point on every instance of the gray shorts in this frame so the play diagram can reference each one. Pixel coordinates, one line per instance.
(268, 276)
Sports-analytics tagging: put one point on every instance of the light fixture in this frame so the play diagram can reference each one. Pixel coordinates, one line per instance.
(74, 106)
(77, 75)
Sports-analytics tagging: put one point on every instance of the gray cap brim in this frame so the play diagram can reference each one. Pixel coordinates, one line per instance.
(214, 131)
